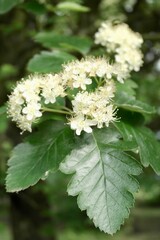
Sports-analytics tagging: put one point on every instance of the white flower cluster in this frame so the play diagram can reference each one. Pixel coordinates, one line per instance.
(25, 102)
(93, 108)
(91, 83)
(79, 74)
(125, 44)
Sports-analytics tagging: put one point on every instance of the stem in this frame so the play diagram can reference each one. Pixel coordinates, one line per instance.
(66, 108)
(103, 81)
(96, 81)
(99, 81)
(56, 111)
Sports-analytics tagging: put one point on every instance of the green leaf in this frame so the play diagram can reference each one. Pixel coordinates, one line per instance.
(102, 179)
(148, 146)
(125, 99)
(6, 5)
(47, 62)
(71, 6)
(42, 152)
(53, 40)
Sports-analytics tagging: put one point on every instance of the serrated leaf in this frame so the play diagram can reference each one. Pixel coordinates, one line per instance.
(102, 179)
(42, 152)
(148, 146)
(6, 5)
(47, 62)
(53, 40)
(71, 6)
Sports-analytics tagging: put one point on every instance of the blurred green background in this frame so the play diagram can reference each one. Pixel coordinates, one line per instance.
(45, 212)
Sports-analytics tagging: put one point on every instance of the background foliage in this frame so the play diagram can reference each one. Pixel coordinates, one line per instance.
(37, 36)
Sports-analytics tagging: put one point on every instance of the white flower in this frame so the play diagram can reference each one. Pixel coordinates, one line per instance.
(82, 103)
(32, 111)
(79, 123)
(52, 87)
(76, 75)
(81, 80)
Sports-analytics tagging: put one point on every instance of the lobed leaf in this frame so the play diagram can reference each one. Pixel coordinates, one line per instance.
(102, 179)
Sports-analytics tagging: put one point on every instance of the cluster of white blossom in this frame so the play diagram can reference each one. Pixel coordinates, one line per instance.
(125, 44)
(92, 105)
(79, 74)
(93, 108)
(25, 102)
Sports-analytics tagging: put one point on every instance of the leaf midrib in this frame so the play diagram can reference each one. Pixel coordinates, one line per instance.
(106, 197)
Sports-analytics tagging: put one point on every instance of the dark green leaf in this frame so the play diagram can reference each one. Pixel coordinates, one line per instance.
(49, 62)
(42, 152)
(34, 7)
(53, 40)
(102, 179)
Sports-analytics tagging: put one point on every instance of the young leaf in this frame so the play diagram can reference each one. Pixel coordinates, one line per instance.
(53, 40)
(148, 146)
(6, 5)
(102, 179)
(43, 151)
(47, 62)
